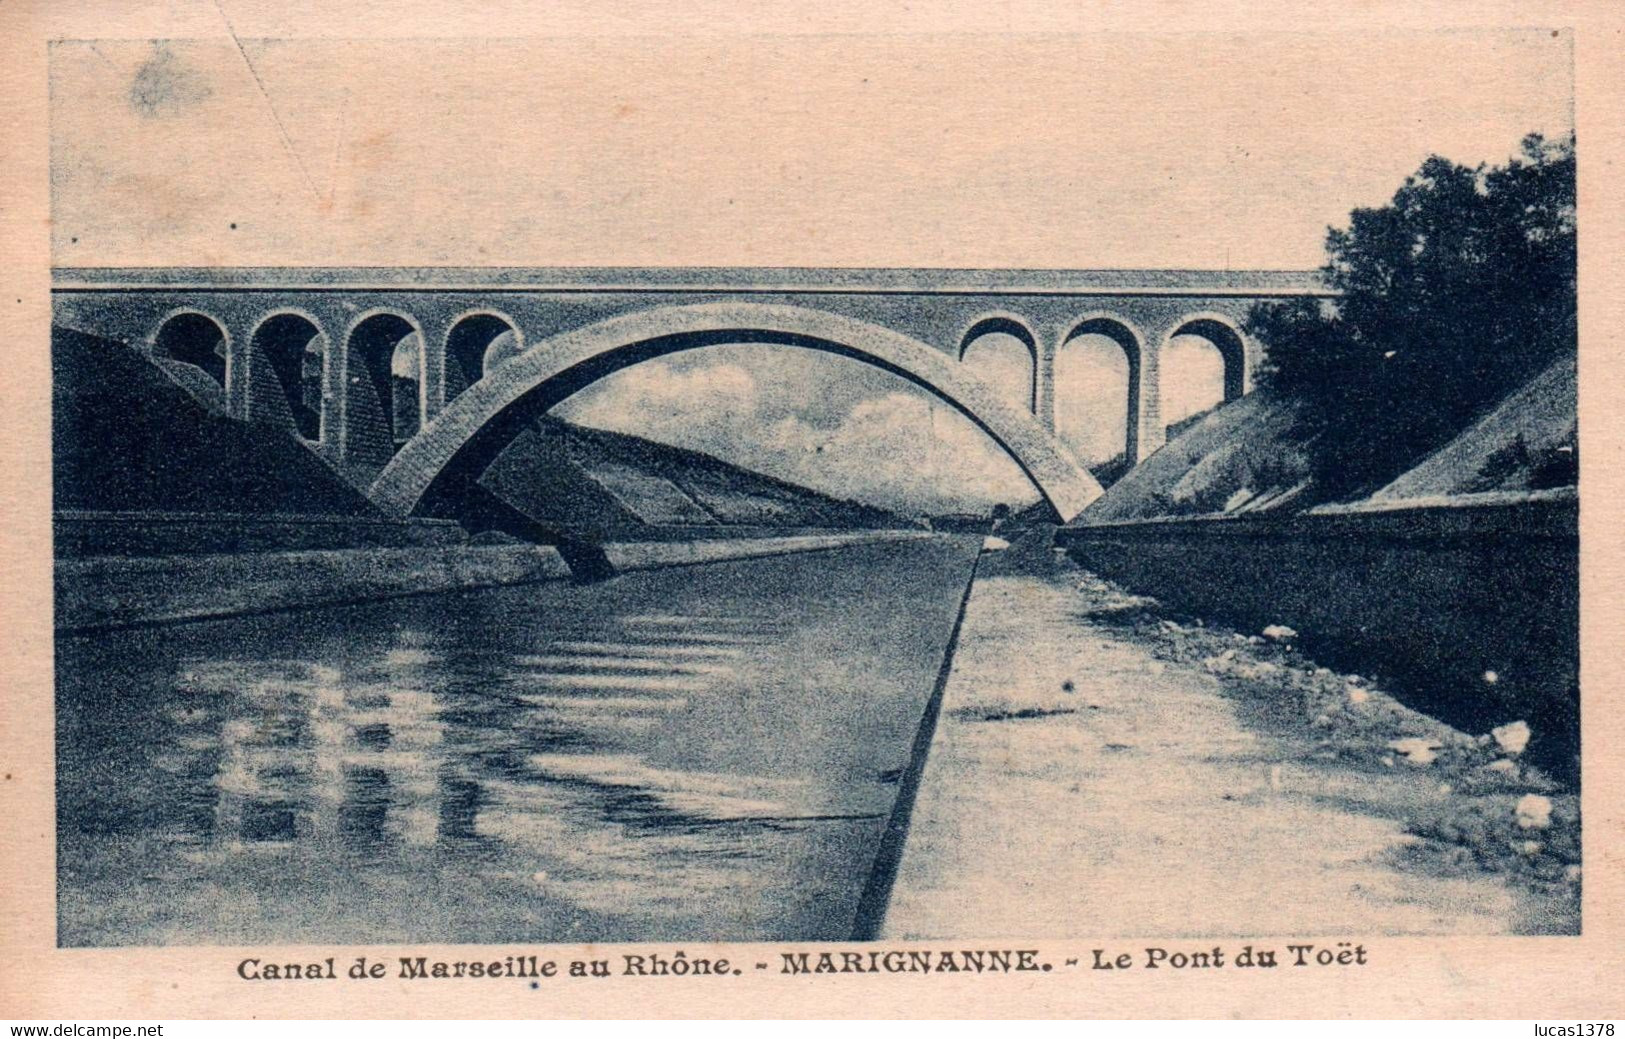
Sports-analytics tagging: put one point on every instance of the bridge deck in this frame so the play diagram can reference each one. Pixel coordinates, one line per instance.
(843, 280)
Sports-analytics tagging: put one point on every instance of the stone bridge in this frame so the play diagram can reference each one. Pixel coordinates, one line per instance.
(408, 379)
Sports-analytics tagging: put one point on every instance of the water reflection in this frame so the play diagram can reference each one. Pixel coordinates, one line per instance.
(431, 778)
(272, 752)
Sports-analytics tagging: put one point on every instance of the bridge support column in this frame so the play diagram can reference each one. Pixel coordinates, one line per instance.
(239, 377)
(1044, 379)
(336, 390)
(1150, 434)
(331, 320)
(433, 368)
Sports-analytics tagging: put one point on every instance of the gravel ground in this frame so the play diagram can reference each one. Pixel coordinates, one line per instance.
(1500, 814)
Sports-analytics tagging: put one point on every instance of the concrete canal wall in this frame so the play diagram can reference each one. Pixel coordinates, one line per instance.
(1470, 610)
(79, 533)
(113, 592)
(649, 555)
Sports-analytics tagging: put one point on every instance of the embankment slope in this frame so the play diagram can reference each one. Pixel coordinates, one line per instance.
(127, 437)
(1252, 456)
(1457, 581)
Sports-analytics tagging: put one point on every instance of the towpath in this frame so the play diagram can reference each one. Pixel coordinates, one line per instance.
(1101, 770)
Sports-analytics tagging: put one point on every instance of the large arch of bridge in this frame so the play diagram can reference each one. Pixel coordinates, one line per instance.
(464, 437)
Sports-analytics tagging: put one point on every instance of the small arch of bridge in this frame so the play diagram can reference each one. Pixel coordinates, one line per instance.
(175, 338)
(998, 322)
(195, 348)
(1003, 322)
(384, 396)
(431, 469)
(474, 345)
(299, 363)
(1228, 338)
(1131, 340)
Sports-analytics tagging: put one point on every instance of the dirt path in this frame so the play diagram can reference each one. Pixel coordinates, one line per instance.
(1102, 770)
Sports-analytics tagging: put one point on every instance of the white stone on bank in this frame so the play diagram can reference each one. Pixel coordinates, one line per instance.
(1534, 812)
(1417, 750)
(1512, 737)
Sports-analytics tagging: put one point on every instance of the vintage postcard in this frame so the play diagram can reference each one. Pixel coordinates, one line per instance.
(688, 510)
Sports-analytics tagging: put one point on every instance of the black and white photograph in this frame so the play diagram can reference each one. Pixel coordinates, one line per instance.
(854, 491)
(488, 603)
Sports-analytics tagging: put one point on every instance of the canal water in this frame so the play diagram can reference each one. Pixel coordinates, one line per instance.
(701, 753)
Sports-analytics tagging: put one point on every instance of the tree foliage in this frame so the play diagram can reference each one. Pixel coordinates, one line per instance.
(1459, 289)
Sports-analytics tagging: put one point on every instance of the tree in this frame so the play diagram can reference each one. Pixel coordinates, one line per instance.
(1459, 289)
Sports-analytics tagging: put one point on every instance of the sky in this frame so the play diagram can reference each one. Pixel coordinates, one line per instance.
(1182, 150)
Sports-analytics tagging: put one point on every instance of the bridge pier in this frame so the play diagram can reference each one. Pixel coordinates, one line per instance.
(432, 372)
(1044, 379)
(239, 376)
(338, 385)
(1150, 433)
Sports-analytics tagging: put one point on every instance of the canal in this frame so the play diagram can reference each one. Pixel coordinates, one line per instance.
(705, 752)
